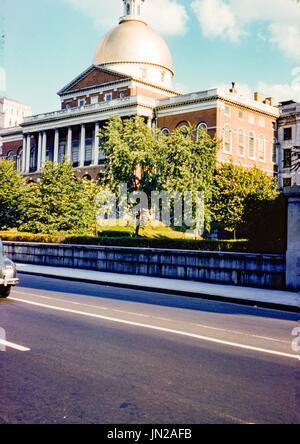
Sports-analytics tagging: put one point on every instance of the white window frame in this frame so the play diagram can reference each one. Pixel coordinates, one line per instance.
(261, 137)
(254, 147)
(227, 107)
(251, 118)
(80, 103)
(242, 112)
(108, 97)
(94, 100)
(227, 126)
(241, 132)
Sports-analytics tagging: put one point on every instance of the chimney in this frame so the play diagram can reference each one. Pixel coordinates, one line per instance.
(259, 97)
(269, 101)
(233, 88)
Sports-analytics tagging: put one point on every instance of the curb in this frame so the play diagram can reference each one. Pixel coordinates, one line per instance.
(245, 302)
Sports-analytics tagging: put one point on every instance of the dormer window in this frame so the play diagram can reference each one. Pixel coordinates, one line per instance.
(108, 97)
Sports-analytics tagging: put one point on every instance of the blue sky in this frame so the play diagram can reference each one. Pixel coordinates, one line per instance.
(213, 42)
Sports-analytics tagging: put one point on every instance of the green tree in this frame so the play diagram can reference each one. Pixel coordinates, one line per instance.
(188, 163)
(239, 195)
(11, 196)
(60, 203)
(131, 156)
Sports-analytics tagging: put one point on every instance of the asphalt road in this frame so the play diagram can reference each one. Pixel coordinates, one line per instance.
(95, 354)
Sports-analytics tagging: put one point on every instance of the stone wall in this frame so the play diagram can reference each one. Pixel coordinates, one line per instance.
(256, 270)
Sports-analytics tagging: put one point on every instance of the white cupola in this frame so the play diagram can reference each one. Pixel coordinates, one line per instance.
(134, 9)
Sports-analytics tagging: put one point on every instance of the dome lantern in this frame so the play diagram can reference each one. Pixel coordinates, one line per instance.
(134, 49)
(133, 9)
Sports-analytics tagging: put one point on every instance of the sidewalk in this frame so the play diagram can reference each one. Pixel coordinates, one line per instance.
(243, 295)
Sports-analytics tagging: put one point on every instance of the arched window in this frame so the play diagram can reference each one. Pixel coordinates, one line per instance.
(166, 132)
(128, 9)
(201, 127)
(241, 143)
(274, 150)
(19, 159)
(227, 139)
(251, 145)
(10, 155)
(261, 148)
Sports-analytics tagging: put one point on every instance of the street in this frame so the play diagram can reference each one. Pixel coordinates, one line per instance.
(85, 353)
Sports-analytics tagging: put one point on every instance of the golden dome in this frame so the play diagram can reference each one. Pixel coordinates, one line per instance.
(133, 42)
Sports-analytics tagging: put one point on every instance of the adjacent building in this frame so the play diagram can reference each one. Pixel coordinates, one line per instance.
(289, 144)
(132, 74)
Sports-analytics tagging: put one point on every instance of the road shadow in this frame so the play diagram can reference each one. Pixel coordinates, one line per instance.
(201, 303)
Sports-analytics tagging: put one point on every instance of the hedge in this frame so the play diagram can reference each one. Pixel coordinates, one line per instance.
(183, 244)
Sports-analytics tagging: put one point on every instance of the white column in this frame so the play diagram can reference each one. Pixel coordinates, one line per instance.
(44, 149)
(68, 155)
(82, 146)
(28, 147)
(24, 155)
(39, 152)
(56, 146)
(96, 144)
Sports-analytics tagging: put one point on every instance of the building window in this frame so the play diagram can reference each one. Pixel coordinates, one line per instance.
(88, 151)
(251, 146)
(227, 111)
(241, 115)
(68, 105)
(123, 94)
(61, 151)
(261, 148)
(274, 151)
(75, 152)
(261, 122)
(94, 100)
(81, 103)
(184, 130)
(32, 162)
(10, 156)
(287, 134)
(251, 118)
(287, 158)
(128, 9)
(241, 150)
(19, 159)
(166, 132)
(108, 97)
(287, 182)
(227, 139)
(200, 128)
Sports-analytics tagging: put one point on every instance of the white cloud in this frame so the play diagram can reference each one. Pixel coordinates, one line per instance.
(278, 91)
(217, 19)
(231, 19)
(285, 91)
(166, 16)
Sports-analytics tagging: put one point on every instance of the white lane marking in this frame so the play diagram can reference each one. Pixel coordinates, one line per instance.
(243, 334)
(14, 346)
(154, 317)
(82, 305)
(166, 330)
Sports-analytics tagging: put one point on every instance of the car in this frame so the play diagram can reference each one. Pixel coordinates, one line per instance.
(8, 274)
